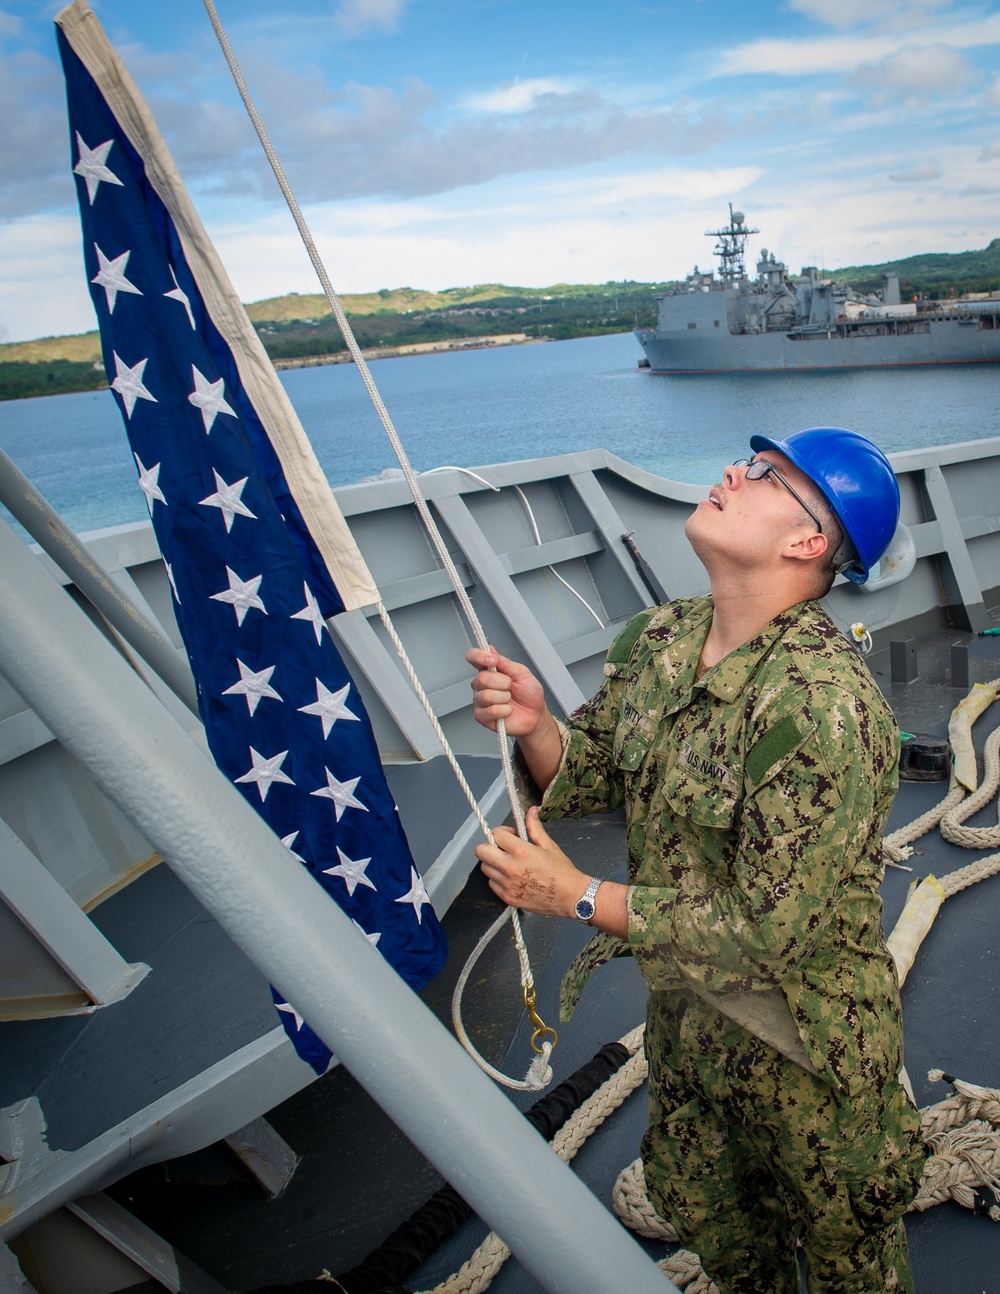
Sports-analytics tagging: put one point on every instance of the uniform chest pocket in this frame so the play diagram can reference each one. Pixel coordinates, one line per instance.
(701, 790)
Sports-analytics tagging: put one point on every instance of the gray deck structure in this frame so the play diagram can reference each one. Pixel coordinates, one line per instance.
(134, 1028)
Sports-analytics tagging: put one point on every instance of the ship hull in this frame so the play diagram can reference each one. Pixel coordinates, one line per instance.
(946, 342)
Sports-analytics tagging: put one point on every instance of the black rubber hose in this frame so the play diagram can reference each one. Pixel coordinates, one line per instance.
(434, 1222)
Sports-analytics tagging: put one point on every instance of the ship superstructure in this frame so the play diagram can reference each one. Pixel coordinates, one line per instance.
(726, 322)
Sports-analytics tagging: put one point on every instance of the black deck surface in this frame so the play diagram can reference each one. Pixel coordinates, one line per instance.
(359, 1177)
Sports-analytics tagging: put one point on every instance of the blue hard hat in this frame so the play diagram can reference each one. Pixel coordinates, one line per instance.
(858, 483)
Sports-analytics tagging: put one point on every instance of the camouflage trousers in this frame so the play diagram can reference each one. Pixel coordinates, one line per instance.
(747, 1153)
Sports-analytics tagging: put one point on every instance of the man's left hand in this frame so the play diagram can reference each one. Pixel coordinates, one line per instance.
(532, 874)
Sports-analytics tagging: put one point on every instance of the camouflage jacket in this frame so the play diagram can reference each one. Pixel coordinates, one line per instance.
(755, 801)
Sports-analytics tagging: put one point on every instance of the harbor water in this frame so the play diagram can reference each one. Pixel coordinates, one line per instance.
(471, 408)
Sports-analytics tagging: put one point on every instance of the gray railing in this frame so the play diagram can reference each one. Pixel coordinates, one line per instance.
(227, 856)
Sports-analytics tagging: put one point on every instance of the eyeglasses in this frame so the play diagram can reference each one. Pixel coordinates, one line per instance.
(758, 468)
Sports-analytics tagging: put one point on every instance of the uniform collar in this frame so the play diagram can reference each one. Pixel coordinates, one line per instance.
(729, 676)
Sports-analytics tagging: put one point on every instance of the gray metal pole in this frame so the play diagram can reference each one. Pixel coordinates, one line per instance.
(305, 945)
(52, 534)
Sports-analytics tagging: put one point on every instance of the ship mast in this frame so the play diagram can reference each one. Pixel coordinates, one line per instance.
(731, 246)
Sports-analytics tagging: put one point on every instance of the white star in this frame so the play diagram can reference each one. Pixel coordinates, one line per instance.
(341, 793)
(288, 841)
(178, 294)
(242, 594)
(209, 397)
(128, 383)
(266, 771)
(91, 166)
(253, 686)
(311, 612)
(170, 577)
(329, 706)
(372, 939)
(416, 895)
(227, 499)
(290, 1010)
(352, 870)
(111, 277)
(148, 483)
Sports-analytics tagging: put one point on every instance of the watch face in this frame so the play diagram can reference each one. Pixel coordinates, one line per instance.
(585, 909)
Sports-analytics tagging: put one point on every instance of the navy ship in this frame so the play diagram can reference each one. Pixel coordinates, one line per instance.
(730, 323)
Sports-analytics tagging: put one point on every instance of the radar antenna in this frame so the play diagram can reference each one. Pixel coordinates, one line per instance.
(731, 246)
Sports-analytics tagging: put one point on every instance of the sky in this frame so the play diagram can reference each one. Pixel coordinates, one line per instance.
(445, 143)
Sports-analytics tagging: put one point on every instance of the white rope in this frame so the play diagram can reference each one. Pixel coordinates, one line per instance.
(420, 502)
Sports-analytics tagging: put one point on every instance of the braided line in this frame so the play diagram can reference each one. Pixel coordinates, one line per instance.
(433, 532)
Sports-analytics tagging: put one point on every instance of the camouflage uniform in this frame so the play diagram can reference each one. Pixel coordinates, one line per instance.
(755, 799)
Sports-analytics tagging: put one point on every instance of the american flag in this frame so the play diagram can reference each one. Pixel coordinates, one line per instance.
(251, 583)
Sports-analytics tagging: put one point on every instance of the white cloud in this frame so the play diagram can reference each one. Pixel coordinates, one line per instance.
(43, 287)
(990, 152)
(917, 70)
(516, 96)
(921, 173)
(994, 95)
(844, 14)
(356, 16)
(34, 143)
(779, 57)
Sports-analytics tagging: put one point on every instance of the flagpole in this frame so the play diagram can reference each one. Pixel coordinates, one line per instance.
(304, 944)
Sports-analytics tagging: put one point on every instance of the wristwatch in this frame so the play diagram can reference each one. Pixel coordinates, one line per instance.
(585, 908)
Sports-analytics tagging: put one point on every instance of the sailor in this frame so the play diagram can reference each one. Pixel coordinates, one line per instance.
(756, 760)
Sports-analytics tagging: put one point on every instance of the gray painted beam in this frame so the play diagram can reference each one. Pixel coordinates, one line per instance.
(21, 733)
(611, 526)
(387, 680)
(498, 585)
(421, 588)
(208, 1107)
(142, 1246)
(51, 533)
(446, 700)
(965, 590)
(12, 1279)
(552, 551)
(68, 934)
(587, 645)
(265, 1154)
(305, 945)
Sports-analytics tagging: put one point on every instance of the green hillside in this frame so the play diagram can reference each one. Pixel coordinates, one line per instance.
(932, 275)
(301, 326)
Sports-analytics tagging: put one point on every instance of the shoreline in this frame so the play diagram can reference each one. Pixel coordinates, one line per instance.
(413, 348)
(375, 352)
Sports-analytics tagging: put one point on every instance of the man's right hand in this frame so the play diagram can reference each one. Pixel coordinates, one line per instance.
(503, 689)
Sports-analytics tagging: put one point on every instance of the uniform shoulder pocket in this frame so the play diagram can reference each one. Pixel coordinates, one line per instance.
(621, 649)
(788, 780)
